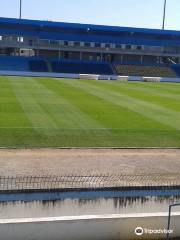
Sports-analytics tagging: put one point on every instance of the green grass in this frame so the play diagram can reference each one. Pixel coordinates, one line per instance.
(44, 112)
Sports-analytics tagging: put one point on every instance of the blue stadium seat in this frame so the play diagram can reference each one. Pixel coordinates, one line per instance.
(14, 63)
(176, 69)
(145, 70)
(83, 67)
(38, 65)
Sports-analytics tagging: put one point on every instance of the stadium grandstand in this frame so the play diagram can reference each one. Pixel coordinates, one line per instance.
(44, 46)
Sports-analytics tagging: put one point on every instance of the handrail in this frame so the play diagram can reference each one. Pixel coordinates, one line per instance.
(73, 181)
(169, 218)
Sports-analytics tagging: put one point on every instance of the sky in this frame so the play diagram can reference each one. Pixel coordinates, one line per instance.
(130, 13)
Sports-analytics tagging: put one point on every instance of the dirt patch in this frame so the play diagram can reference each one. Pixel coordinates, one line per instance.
(39, 162)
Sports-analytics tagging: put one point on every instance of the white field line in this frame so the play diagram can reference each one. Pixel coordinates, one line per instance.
(87, 217)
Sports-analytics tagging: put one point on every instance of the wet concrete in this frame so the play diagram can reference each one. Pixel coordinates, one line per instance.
(87, 203)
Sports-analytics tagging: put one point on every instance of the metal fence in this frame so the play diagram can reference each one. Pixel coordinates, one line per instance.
(86, 182)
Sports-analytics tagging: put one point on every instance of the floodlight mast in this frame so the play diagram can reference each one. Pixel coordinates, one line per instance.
(164, 15)
(20, 10)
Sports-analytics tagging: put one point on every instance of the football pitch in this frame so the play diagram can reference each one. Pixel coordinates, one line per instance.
(45, 112)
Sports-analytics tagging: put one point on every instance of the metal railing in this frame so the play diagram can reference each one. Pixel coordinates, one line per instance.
(169, 218)
(85, 182)
(59, 46)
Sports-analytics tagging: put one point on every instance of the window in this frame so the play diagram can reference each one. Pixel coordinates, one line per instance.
(66, 43)
(128, 47)
(44, 41)
(139, 47)
(30, 42)
(97, 45)
(87, 44)
(20, 39)
(77, 44)
(53, 42)
(118, 46)
(107, 45)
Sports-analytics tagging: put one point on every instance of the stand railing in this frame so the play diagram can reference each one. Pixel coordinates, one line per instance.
(88, 182)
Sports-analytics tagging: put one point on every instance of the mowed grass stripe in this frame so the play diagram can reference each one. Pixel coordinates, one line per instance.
(149, 96)
(112, 116)
(141, 88)
(78, 116)
(24, 89)
(67, 115)
(63, 112)
(163, 87)
(162, 105)
(11, 112)
(152, 111)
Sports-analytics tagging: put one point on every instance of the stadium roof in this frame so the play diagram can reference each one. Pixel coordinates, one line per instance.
(88, 32)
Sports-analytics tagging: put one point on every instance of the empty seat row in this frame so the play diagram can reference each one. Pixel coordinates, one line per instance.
(81, 67)
(38, 65)
(147, 71)
(14, 63)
